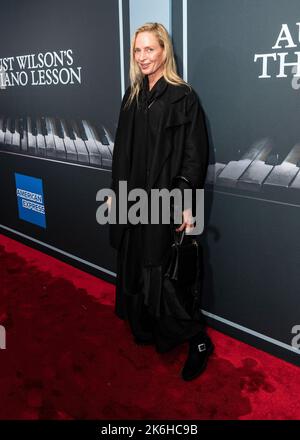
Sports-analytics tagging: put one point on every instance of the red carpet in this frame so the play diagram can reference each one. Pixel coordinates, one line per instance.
(69, 357)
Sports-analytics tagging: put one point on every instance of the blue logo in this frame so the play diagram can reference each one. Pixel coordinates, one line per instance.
(30, 198)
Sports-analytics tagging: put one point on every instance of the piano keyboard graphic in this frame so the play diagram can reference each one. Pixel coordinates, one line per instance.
(72, 141)
(259, 170)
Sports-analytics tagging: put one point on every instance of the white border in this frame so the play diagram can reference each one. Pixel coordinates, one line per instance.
(48, 159)
(252, 332)
(276, 202)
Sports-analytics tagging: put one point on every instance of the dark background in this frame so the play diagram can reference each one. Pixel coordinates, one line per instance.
(252, 246)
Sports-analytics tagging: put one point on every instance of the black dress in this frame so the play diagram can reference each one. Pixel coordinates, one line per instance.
(157, 310)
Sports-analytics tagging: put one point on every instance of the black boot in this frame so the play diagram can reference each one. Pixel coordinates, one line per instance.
(200, 348)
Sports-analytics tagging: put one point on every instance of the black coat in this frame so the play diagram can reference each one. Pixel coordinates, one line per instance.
(179, 158)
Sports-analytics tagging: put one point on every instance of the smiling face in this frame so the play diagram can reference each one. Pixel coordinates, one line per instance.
(149, 55)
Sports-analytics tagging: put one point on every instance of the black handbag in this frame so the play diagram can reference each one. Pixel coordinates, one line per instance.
(183, 265)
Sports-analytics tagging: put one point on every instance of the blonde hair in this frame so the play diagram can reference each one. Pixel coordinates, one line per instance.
(170, 70)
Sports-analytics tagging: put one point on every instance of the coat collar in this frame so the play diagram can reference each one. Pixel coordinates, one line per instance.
(158, 88)
(174, 92)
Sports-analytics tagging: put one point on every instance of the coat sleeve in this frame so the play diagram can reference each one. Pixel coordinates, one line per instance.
(195, 154)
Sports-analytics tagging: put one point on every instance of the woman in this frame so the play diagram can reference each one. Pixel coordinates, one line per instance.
(160, 143)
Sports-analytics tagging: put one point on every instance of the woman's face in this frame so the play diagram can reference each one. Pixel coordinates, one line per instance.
(149, 54)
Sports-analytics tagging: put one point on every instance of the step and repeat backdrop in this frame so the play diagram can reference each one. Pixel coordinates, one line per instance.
(244, 61)
(60, 93)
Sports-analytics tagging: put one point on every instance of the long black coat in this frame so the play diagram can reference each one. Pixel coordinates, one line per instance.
(179, 156)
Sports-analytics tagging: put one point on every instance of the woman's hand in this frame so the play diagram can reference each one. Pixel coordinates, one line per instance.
(187, 224)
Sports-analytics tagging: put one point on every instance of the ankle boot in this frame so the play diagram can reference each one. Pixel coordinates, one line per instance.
(200, 348)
